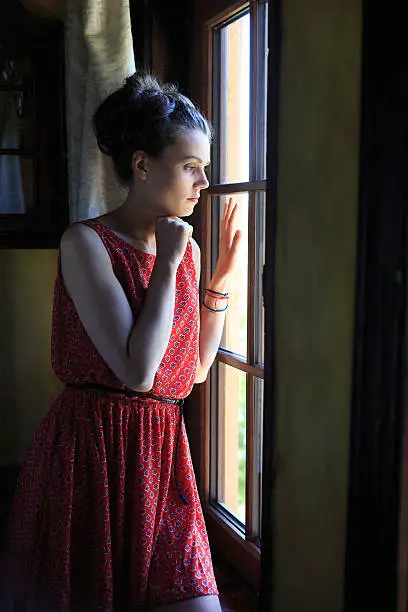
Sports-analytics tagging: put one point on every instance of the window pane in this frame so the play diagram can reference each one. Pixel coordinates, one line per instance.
(231, 464)
(257, 467)
(233, 88)
(259, 265)
(16, 126)
(235, 331)
(16, 184)
(259, 94)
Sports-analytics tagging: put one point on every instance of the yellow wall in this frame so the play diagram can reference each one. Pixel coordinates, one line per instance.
(28, 384)
(315, 275)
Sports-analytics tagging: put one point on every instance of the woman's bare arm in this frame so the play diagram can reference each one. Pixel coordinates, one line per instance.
(211, 324)
(132, 349)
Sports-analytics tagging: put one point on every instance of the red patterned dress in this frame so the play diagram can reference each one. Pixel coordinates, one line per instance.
(98, 521)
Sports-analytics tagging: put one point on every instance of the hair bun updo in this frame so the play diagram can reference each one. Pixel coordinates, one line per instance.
(143, 115)
(150, 98)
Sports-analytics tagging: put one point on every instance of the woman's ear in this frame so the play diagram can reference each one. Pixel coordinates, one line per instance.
(140, 165)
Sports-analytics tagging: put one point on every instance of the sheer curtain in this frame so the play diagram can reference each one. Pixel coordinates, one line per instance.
(99, 56)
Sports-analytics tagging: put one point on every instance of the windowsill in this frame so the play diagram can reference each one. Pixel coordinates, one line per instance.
(234, 596)
(227, 543)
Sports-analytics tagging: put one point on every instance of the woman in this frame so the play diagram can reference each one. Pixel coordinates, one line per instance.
(106, 514)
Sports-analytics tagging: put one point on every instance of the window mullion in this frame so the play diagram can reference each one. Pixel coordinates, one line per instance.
(250, 457)
(252, 218)
(215, 114)
(232, 188)
(251, 347)
(259, 254)
(253, 93)
(240, 363)
(223, 105)
(258, 90)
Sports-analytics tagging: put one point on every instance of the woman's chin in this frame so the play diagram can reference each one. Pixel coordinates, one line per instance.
(187, 209)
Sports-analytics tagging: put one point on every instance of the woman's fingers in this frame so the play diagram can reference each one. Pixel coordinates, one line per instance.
(232, 223)
(236, 243)
(227, 210)
(233, 214)
(229, 236)
(230, 212)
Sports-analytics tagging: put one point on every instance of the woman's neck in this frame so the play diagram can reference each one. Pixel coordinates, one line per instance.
(130, 219)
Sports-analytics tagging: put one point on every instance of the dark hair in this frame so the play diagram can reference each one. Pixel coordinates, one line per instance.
(143, 115)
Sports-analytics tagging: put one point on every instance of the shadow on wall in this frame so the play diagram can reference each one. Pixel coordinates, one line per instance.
(27, 383)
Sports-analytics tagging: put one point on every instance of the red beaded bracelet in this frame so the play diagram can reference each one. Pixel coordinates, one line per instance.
(216, 297)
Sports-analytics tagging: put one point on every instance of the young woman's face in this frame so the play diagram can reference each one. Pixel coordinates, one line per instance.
(176, 178)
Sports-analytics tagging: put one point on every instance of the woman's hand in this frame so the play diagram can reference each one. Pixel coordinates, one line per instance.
(172, 236)
(230, 241)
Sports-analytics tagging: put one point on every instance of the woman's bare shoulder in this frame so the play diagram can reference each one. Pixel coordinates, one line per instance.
(81, 239)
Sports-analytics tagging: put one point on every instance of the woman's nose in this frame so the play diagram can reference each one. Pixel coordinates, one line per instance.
(202, 182)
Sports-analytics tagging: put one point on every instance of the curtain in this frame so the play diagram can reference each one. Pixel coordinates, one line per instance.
(99, 56)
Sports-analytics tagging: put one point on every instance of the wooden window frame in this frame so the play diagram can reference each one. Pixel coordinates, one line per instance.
(225, 535)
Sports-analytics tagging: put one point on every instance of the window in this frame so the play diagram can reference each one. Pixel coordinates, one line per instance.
(33, 188)
(237, 107)
(16, 134)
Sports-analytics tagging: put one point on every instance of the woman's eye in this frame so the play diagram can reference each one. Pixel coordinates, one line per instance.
(189, 168)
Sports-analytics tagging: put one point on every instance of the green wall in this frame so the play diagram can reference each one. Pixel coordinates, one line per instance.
(315, 278)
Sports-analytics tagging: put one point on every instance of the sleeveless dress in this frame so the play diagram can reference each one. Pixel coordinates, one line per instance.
(98, 522)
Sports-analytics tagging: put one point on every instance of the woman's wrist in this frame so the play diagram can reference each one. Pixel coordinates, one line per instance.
(215, 301)
(219, 283)
(165, 265)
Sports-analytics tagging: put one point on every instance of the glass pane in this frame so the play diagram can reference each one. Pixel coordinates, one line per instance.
(16, 184)
(231, 468)
(234, 86)
(260, 212)
(235, 331)
(258, 441)
(16, 125)
(260, 94)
